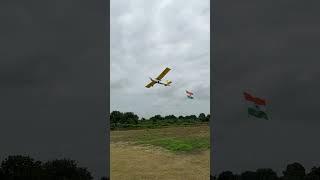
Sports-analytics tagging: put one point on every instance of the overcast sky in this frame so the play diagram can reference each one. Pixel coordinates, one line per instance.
(52, 75)
(52, 72)
(148, 36)
(270, 49)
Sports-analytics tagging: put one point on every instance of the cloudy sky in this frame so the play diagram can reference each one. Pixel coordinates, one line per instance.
(270, 49)
(148, 36)
(52, 72)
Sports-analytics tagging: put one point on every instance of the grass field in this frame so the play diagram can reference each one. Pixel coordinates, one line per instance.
(161, 154)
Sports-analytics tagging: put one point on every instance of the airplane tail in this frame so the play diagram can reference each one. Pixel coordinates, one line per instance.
(168, 83)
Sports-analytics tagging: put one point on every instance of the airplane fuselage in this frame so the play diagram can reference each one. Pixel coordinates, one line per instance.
(159, 82)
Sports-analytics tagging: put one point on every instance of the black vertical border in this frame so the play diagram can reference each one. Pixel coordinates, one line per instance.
(211, 89)
(107, 88)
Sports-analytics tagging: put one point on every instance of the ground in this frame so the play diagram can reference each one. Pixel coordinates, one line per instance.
(175, 153)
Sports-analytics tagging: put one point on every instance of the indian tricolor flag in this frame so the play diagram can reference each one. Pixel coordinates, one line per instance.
(189, 94)
(257, 106)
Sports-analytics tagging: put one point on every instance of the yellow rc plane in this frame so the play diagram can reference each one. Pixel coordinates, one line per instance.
(157, 80)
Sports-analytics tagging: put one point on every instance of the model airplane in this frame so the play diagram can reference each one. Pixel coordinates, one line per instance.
(157, 80)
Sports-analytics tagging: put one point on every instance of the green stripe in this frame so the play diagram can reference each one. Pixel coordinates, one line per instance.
(257, 113)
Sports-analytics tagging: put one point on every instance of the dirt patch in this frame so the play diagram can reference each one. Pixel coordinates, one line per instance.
(132, 162)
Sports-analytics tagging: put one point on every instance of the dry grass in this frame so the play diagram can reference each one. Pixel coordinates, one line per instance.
(130, 161)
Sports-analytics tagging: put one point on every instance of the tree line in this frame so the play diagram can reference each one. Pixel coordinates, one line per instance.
(119, 120)
(294, 171)
(20, 167)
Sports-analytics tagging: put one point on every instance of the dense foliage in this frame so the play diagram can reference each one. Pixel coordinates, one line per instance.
(120, 120)
(26, 168)
(294, 171)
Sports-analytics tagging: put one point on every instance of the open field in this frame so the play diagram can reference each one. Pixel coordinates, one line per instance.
(172, 153)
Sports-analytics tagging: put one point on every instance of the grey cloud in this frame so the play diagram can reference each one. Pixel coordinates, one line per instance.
(146, 38)
(122, 83)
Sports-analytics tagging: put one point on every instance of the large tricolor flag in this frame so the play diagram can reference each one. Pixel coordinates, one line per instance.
(257, 106)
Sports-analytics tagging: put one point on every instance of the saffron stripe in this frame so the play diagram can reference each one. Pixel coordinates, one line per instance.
(256, 100)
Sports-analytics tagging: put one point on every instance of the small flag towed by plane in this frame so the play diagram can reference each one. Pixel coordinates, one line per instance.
(257, 107)
(189, 94)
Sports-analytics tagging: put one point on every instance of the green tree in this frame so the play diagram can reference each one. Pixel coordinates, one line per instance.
(266, 174)
(170, 117)
(115, 117)
(193, 117)
(153, 119)
(158, 117)
(202, 117)
(294, 171)
(65, 169)
(226, 175)
(21, 167)
(314, 174)
(129, 118)
(249, 175)
(208, 118)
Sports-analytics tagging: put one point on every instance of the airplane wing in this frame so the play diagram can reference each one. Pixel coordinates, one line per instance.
(150, 84)
(164, 72)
